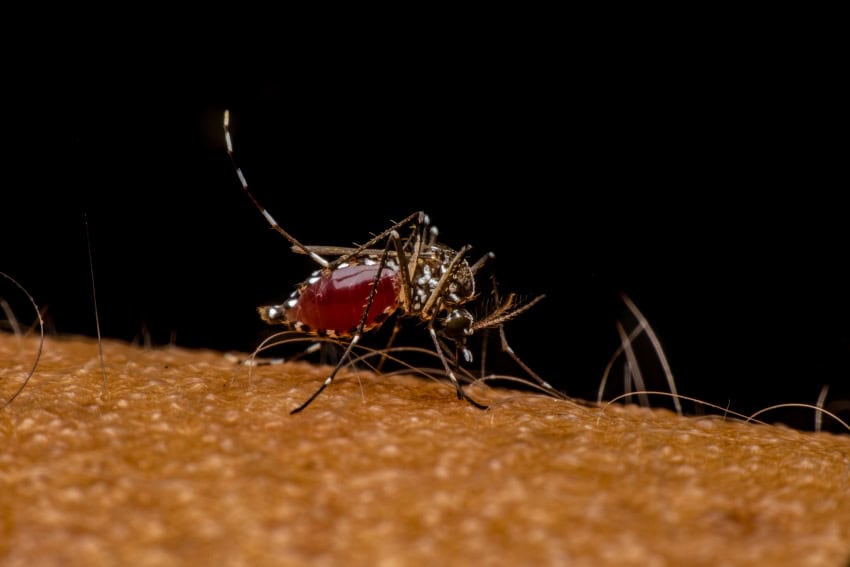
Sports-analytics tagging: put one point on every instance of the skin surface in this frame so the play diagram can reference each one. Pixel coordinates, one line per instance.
(177, 467)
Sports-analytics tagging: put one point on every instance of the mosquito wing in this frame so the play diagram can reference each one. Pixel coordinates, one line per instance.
(349, 250)
(341, 251)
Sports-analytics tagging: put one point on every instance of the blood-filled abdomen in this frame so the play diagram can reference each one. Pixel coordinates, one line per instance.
(334, 303)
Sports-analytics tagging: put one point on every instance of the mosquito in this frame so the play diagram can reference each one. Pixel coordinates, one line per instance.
(355, 290)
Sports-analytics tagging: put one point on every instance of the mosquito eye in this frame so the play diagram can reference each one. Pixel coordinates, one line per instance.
(458, 323)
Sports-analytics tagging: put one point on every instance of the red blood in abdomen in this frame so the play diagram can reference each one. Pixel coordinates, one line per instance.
(335, 302)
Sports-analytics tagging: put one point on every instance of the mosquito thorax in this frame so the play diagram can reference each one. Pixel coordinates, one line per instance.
(427, 274)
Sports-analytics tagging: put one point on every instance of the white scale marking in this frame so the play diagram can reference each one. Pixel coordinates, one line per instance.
(269, 218)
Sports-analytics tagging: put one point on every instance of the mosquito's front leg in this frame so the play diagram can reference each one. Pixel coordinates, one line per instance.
(461, 395)
(481, 261)
(357, 334)
(418, 218)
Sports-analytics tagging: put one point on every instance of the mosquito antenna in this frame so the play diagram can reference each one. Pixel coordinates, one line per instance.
(244, 182)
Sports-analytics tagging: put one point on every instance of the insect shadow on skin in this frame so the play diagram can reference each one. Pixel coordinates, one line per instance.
(412, 277)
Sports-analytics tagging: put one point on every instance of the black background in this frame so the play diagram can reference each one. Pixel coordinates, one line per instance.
(706, 186)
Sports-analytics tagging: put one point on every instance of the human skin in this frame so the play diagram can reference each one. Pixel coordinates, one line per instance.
(182, 464)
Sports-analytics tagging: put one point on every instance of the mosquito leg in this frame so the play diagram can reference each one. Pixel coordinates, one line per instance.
(485, 338)
(506, 311)
(405, 290)
(506, 348)
(315, 347)
(404, 268)
(461, 395)
(481, 261)
(330, 378)
(292, 240)
(418, 218)
(256, 362)
(394, 334)
(343, 360)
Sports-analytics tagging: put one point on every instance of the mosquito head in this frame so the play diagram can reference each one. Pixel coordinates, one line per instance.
(458, 324)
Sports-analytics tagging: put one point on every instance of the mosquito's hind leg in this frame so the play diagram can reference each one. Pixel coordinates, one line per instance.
(244, 182)
(276, 360)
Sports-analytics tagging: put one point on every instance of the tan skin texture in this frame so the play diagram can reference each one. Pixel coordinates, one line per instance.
(177, 467)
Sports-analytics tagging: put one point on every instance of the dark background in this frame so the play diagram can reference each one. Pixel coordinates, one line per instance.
(707, 187)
